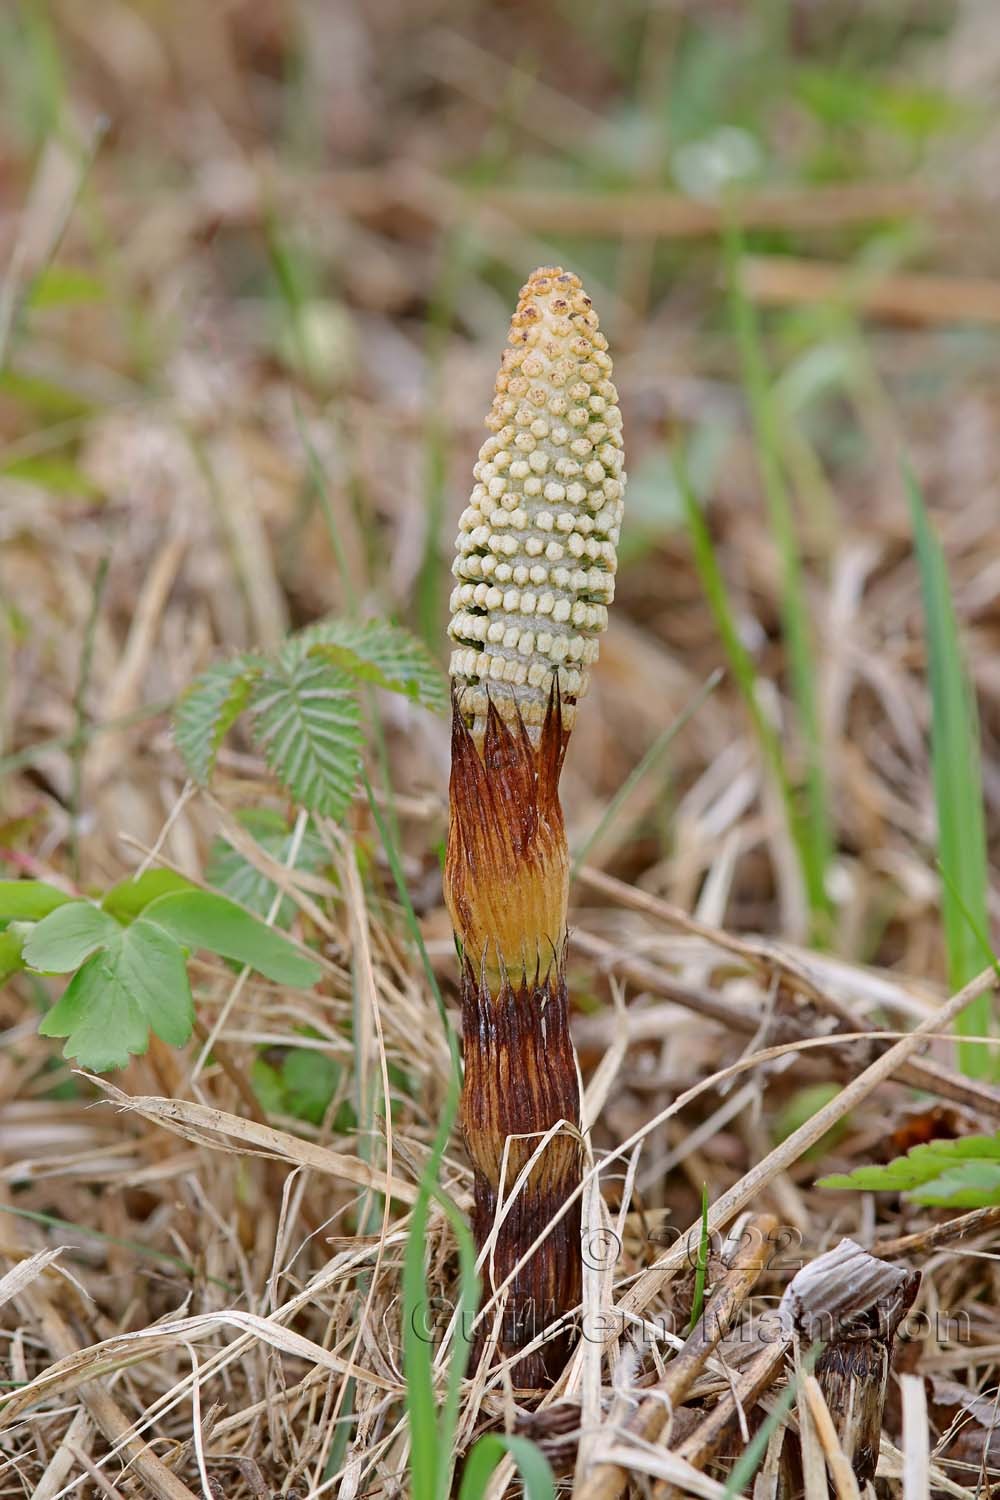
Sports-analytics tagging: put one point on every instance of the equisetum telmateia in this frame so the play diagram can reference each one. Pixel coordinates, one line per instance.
(535, 572)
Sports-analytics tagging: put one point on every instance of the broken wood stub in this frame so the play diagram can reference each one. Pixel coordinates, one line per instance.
(852, 1304)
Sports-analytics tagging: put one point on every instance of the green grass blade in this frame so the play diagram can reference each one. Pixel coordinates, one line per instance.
(662, 742)
(417, 1358)
(536, 1472)
(468, 1301)
(741, 663)
(746, 1466)
(816, 826)
(701, 1267)
(431, 1434)
(958, 792)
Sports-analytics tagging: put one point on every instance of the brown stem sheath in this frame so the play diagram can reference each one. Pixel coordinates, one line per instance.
(505, 881)
(520, 1082)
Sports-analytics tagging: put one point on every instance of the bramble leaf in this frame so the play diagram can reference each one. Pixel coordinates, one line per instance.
(386, 655)
(209, 709)
(972, 1184)
(307, 722)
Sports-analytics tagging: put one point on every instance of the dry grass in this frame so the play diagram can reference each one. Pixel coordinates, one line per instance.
(198, 1297)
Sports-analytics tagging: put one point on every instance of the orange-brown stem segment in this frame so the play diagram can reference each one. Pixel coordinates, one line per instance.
(507, 865)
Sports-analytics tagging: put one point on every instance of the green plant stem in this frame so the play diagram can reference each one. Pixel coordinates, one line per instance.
(818, 841)
(741, 663)
(79, 745)
(701, 1267)
(431, 1431)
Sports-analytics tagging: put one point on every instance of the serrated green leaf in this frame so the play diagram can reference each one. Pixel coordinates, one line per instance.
(209, 709)
(384, 654)
(126, 900)
(136, 982)
(307, 722)
(923, 1164)
(67, 936)
(972, 1184)
(155, 971)
(29, 900)
(101, 1022)
(204, 919)
(236, 877)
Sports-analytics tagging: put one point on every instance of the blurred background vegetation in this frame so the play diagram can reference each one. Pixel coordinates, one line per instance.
(258, 261)
(261, 258)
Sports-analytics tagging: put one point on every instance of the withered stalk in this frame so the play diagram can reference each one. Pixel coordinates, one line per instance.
(853, 1302)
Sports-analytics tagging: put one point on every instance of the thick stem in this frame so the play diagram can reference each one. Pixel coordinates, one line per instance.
(521, 1080)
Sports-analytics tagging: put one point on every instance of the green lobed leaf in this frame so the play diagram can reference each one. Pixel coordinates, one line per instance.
(137, 981)
(307, 722)
(386, 655)
(229, 872)
(126, 900)
(29, 900)
(62, 940)
(921, 1165)
(209, 709)
(204, 919)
